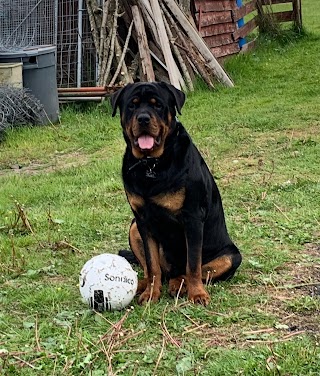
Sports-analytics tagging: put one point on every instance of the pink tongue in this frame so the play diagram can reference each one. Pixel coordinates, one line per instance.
(145, 142)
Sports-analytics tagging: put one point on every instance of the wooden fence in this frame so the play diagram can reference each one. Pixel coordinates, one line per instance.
(222, 25)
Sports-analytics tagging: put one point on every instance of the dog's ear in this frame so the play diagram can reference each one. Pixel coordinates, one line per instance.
(116, 98)
(179, 96)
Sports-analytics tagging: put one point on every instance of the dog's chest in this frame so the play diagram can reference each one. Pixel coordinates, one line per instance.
(169, 203)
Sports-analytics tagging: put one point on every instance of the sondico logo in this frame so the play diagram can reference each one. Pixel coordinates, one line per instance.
(116, 278)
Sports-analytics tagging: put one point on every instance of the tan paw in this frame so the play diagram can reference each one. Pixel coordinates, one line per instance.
(199, 295)
(149, 295)
(177, 286)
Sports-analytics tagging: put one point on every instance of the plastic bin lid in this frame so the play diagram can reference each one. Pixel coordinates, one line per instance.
(10, 65)
(29, 51)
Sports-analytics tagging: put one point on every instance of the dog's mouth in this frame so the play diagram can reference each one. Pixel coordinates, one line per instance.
(147, 142)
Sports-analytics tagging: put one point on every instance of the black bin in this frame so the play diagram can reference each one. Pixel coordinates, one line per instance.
(39, 76)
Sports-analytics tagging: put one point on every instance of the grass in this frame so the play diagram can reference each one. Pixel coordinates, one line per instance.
(261, 141)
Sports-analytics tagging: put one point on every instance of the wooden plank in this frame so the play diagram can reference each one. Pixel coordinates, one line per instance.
(248, 46)
(143, 44)
(219, 40)
(146, 10)
(212, 18)
(199, 43)
(284, 16)
(218, 29)
(215, 5)
(246, 29)
(165, 44)
(226, 50)
(267, 2)
(244, 10)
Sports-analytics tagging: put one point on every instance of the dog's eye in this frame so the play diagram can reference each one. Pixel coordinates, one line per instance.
(157, 106)
(133, 105)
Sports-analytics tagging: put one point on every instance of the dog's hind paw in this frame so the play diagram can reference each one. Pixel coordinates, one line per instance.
(177, 286)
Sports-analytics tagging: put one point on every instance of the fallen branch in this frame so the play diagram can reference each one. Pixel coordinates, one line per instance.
(299, 285)
(113, 80)
(160, 355)
(165, 329)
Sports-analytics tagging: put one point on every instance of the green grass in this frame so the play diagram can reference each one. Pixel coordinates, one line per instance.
(261, 140)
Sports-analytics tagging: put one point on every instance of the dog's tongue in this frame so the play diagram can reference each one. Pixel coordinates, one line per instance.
(145, 142)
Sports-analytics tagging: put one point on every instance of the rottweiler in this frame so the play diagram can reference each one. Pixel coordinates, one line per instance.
(178, 232)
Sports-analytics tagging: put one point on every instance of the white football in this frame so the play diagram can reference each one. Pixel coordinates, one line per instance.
(108, 282)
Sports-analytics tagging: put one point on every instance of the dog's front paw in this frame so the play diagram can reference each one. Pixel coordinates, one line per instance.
(149, 295)
(198, 295)
(142, 285)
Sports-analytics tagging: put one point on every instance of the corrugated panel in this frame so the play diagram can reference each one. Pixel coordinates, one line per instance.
(212, 18)
(219, 40)
(215, 5)
(228, 27)
(226, 50)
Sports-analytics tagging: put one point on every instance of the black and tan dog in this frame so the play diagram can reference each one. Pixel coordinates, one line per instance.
(179, 231)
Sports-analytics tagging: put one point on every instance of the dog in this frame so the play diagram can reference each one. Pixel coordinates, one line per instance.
(178, 232)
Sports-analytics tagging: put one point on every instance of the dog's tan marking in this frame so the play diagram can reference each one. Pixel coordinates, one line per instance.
(136, 100)
(135, 201)
(153, 101)
(215, 268)
(178, 285)
(171, 201)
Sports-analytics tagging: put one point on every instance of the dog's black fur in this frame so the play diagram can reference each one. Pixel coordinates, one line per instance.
(179, 229)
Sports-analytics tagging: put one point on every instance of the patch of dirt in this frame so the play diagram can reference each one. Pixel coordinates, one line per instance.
(59, 161)
(305, 272)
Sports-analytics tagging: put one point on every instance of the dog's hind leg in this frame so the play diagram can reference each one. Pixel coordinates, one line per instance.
(223, 266)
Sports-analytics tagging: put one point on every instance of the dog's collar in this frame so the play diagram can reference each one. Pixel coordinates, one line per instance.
(150, 163)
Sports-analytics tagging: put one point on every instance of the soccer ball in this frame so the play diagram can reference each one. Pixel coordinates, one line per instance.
(108, 282)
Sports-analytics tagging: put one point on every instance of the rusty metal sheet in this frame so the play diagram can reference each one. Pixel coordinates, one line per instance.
(226, 50)
(218, 40)
(218, 29)
(215, 5)
(212, 18)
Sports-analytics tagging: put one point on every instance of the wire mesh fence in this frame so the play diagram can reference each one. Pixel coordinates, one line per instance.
(25, 23)
(64, 23)
(76, 55)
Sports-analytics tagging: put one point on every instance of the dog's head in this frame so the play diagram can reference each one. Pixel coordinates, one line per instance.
(147, 112)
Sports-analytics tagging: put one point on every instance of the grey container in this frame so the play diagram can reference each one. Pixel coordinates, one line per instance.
(39, 76)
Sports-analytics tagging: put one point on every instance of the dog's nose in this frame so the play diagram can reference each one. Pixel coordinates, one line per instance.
(143, 119)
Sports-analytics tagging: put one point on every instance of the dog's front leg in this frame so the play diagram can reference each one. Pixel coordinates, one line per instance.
(194, 238)
(153, 270)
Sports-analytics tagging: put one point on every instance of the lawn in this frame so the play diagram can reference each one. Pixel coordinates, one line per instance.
(62, 202)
